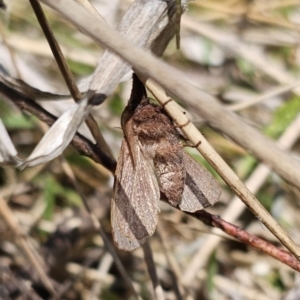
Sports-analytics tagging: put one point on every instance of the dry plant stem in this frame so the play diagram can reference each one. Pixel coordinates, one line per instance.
(179, 289)
(259, 6)
(24, 243)
(220, 165)
(257, 17)
(97, 225)
(174, 82)
(79, 142)
(233, 211)
(177, 24)
(103, 268)
(246, 238)
(148, 256)
(254, 100)
(87, 4)
(67, 74)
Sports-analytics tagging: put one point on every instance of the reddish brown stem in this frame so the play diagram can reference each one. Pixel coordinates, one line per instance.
(249, 239)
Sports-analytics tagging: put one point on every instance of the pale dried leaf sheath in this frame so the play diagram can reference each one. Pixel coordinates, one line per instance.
(201, 188)
(60, 134)
(134, 207)
(8, 152)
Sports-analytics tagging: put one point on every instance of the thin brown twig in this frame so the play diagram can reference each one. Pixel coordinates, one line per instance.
(247, 238)
(181, 293)
(235, 208)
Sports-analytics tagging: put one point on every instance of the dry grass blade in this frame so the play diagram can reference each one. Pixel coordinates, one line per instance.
(148, 255)
(233, 44)
(173, 264)
(177, 25)
(255, 100)
(80, 143)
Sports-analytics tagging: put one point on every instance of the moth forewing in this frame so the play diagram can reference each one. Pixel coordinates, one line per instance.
(134, 208)
(201, 188)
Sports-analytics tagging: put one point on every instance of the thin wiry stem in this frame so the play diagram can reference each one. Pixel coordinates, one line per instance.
(148, 255)
(246, 238)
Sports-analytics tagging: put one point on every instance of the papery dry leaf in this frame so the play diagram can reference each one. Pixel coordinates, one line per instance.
(60, 134)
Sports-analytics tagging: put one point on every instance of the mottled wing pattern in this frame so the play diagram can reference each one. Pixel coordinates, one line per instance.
(201, 188)
(134, 210)
(169, 167)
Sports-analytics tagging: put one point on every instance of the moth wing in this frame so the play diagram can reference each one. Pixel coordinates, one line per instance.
(201, 188)
(134, 207)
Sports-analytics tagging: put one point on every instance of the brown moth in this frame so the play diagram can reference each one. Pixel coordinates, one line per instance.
(152, 160)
